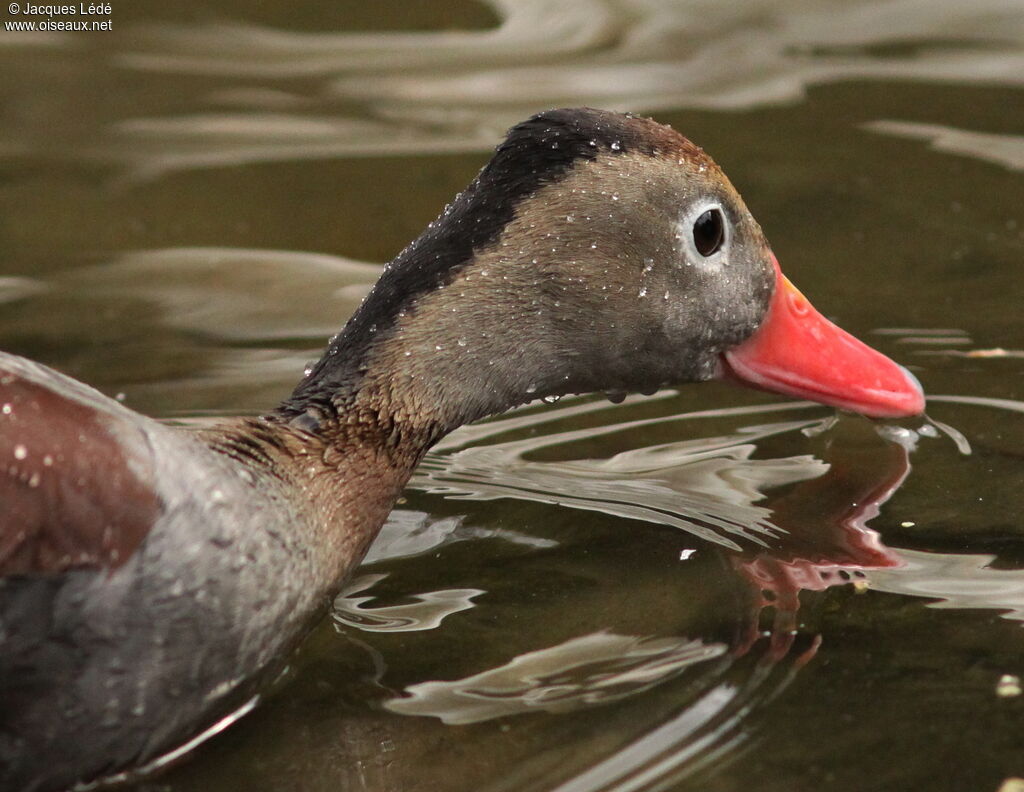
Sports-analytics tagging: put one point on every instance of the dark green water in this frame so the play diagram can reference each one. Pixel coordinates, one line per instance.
(710, 589)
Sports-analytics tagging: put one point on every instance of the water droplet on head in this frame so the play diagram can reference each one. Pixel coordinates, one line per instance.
(20, 452)
(616, 145)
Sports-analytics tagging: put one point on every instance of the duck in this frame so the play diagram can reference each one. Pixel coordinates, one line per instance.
(153, 577)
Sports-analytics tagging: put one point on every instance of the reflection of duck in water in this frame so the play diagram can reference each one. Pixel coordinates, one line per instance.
(151, 573)
(825, 540)
(704, 649)
(813, 513)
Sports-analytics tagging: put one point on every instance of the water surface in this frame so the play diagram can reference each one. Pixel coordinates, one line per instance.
(709, 589)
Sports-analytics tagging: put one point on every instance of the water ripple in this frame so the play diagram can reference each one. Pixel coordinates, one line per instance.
(268, 296)
(955, 580)
(709, 486)
(591, 669)
(1005, 150)
(425, 613)
(386, 93)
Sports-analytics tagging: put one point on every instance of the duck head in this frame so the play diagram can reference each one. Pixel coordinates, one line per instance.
(595, 252)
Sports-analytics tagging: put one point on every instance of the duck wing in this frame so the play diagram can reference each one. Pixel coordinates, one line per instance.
(76, 474)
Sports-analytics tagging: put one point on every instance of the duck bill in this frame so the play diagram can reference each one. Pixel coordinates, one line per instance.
(799, 352)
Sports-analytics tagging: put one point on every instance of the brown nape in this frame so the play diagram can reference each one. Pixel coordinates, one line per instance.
(70, 498)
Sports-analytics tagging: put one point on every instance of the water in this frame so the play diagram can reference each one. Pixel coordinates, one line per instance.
(671, 593)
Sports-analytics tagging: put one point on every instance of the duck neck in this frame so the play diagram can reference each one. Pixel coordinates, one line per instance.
(406, 382)
(347, 472)
(492, 331)
(364, 419)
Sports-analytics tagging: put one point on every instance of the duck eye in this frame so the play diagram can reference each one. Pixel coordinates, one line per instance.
(709, 232)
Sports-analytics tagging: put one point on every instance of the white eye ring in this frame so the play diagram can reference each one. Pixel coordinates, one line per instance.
(705, 234)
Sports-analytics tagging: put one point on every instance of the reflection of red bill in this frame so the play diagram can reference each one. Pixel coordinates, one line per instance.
(826, 541)
(799, 352)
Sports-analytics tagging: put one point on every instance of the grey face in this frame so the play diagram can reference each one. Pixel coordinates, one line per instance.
(725, 273)
(652, 267)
